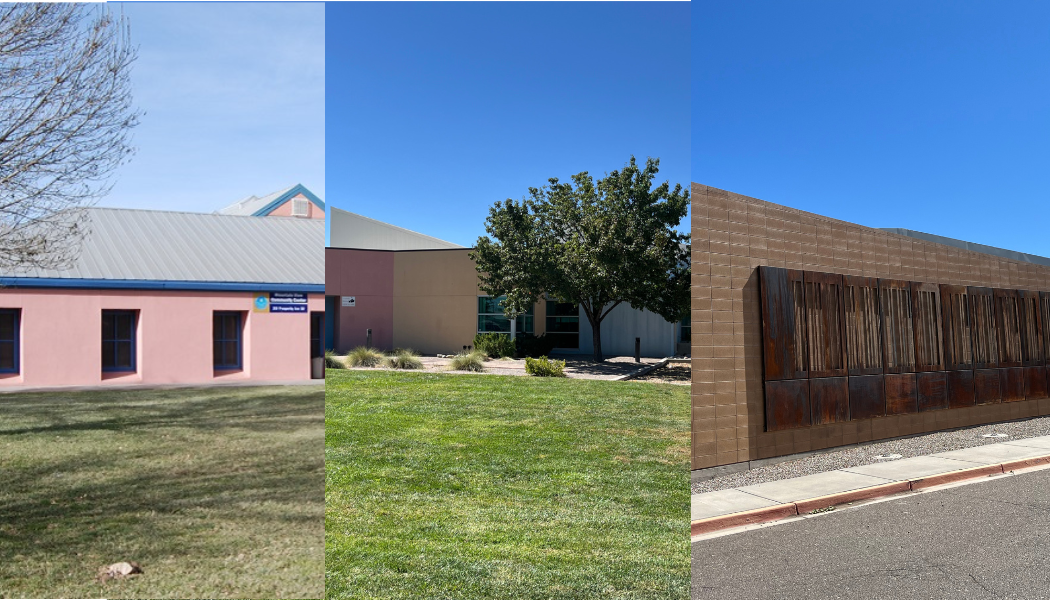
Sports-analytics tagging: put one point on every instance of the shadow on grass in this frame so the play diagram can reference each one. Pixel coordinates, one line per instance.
(156, 473)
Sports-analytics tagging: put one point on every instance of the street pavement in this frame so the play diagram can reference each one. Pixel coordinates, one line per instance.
(989, 539)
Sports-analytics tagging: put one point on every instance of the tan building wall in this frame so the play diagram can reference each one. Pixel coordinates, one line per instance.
(732, 236)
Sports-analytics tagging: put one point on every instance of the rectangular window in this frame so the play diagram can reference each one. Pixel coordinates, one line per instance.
(9, 326)
(226, 340)
(563, 324)
(686, 330)
(118, 340)
(492, 320)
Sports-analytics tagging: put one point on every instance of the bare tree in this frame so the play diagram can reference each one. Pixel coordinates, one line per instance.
(65, 119)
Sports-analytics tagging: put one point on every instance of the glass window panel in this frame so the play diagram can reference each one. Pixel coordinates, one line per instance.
(491, 323)
(123, 355)
(216, 352)
(125, 327)
(7, 326)
(7, 355)
(231, 353)
(108, 353)
(231, 327)
(107, 326)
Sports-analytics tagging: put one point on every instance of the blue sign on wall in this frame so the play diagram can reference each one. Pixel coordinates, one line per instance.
(288, 302)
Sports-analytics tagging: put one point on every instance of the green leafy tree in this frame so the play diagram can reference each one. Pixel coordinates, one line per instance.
(595, 244)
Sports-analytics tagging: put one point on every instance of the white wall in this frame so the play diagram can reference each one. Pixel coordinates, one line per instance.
(624, 324)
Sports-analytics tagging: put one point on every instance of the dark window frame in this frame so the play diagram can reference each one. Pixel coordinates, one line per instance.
(225, 314)
(15, 340)
(132, 341)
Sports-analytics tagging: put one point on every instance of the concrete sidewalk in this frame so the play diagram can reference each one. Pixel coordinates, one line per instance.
(775, 500)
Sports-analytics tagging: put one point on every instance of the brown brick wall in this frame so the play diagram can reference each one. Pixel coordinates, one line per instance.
(732, 236)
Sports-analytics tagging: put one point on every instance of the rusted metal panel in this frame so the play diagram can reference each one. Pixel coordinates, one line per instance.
(787, 404)
(1044, 316)
(783, 317)
(867, 397)
(984, 327)
(1032, 353)
(1011, 382)
(863, 325)
(960, 389)
(955, 325)
(986, 386)
(932, 391)
(926, 311)
(1035, 382)
(1008, 321)
(898, 331)
(825, 326)
(901, 398)
(829, 399)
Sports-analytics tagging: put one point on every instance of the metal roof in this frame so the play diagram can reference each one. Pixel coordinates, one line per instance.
(123, 245)
(947, 241)
(350, 230)
(261, 206)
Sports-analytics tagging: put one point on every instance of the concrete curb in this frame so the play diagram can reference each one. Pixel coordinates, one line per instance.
(801, 507)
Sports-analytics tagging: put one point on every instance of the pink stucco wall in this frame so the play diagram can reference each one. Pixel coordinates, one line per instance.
(368, 275)
(61, 331)
(285, 210)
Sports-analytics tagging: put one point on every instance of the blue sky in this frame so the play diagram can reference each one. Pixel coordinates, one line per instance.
(925, 115)
(439, 110)
(234, 102)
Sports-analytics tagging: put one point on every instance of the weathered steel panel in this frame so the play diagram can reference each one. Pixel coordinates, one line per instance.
(1031, 329)
(984, 327)
(1011, 382)
(986, 386)
(929, 342)
(1008, 321)
(829, 399)
(783, 341)
(825, 327)
(932, 391)
(960, 389)
(901, 396)
(898, 331)
(867, 397)
(863, 325)
(787, 404)
(955, 325)
(1035, 382)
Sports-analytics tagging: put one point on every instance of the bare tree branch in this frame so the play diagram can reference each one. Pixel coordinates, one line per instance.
(66, 117)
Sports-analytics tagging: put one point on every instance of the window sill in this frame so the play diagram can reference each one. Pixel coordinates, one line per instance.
(229, 374)
(121, 376)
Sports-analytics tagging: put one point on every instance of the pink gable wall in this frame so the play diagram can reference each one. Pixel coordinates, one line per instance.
(368, 275)
(61, 331)
(285, 210)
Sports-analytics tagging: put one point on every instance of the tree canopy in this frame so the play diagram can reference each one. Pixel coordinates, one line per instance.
(596, 244)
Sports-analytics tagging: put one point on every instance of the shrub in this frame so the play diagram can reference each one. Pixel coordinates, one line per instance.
(468, 361)
(364, 357)
(535, 345)
(494, 345)
(404, 359)
(331, 361)
(544, 367)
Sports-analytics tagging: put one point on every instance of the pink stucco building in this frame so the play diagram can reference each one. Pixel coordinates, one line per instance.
(157, 297)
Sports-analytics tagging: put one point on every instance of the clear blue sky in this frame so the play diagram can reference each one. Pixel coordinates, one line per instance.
(234, 102)
(438, 110)
(931, 116)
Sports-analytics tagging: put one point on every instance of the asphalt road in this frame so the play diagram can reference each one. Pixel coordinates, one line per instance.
(984, 540)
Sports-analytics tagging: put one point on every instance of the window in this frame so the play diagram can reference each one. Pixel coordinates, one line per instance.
(9, 325)
(492, 320)
(300, 207)
(686, 330)
(118, 340)
(563, 324)
(226, 341)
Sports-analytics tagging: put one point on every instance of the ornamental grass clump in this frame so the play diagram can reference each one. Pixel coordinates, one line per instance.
(468, 361)
(331, 361)
(364, 357)
(404, 359)
(544, 367)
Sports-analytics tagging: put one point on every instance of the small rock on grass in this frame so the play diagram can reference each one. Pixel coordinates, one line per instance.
(120, 570)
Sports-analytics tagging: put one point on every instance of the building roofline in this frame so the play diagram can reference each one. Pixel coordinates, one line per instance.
(288, 195)
(971, 246)
(151, 284)
(416, 233)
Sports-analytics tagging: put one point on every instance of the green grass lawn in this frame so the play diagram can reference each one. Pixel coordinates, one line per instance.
(481, 486)
(216, 492)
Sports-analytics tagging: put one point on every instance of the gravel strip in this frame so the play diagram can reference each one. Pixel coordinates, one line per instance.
(920, 445)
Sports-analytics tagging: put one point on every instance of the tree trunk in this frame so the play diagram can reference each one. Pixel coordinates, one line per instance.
(596, 336)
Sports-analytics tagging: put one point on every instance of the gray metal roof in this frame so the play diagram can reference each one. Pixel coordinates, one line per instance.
(130, 244)
(351, 230)
(252, 204)
(947, 241)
